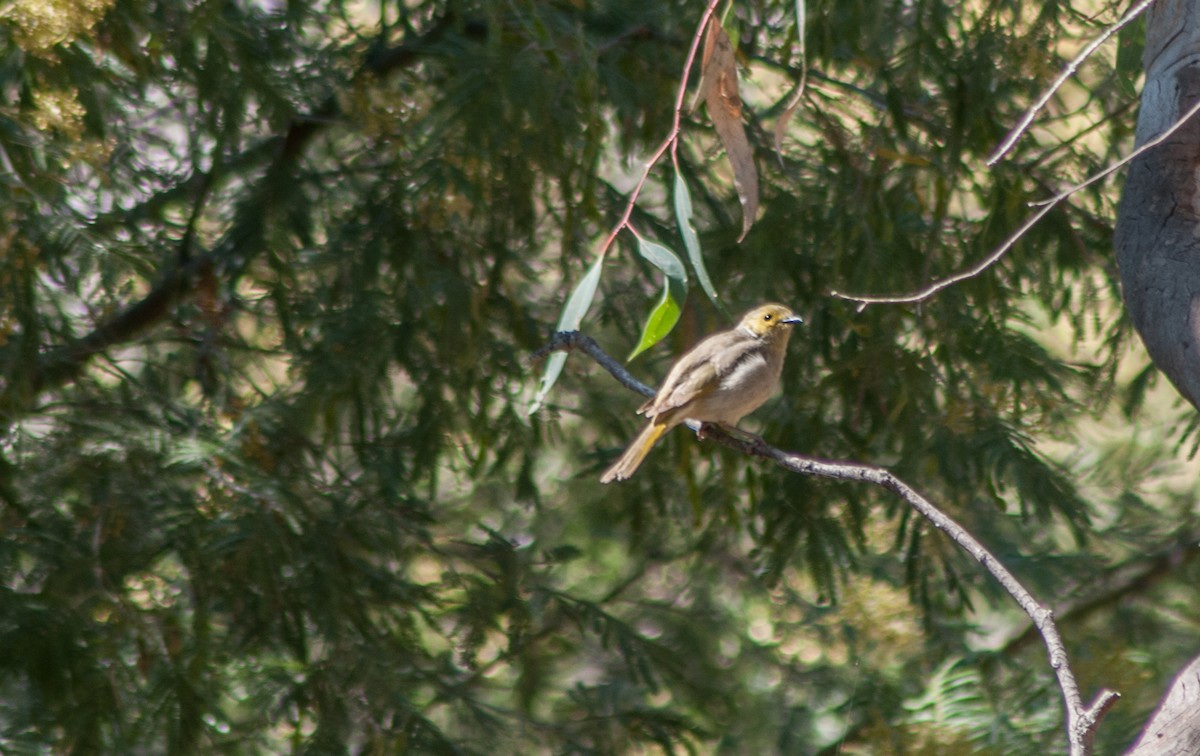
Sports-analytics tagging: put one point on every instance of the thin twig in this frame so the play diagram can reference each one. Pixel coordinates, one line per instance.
(671, 141)
(1081, 720)
(1068, 72)
(1123, 161)
(1042, 206)
(933, 288)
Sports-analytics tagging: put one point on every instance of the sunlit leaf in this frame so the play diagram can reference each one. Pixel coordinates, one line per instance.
(691, 242)
(719, 86)
(665, 314)
(572, 315)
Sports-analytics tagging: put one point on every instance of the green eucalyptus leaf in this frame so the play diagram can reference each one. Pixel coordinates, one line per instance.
(572, 315)
(665, 314)
(691, 242)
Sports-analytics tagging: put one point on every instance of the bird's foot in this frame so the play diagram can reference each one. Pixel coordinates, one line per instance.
(746, 436)
(706, 428)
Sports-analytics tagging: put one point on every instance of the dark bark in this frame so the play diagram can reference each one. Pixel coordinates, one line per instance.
(1158, 225)
(1158, 249)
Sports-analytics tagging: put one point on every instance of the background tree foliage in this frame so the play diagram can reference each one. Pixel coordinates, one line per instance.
(269, 276)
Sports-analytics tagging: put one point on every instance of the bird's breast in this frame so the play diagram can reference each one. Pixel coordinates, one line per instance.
(753, 377)
(748, 383)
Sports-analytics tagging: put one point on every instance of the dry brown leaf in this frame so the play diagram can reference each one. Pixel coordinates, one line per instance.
(719, 87)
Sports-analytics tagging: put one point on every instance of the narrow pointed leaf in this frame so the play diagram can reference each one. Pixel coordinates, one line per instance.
(719, 85)
(797, 94)
(665, 314)
(572, 315)
(691, 242)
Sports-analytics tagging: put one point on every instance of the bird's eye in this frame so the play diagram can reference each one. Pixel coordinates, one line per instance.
(767, 316)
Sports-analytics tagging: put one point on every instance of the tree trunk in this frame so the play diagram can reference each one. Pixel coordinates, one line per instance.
(1174, 730)
(1158, 249)
(1158, 224)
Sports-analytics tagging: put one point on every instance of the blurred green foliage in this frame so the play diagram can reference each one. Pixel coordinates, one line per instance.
(270, 273)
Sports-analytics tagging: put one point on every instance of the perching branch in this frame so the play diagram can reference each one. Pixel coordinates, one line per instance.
(574, 341)
(1081, 720)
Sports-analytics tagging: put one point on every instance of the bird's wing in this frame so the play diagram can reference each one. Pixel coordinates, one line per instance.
(701, 371)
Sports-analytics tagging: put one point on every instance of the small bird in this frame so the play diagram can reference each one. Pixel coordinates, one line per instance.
(722, 379)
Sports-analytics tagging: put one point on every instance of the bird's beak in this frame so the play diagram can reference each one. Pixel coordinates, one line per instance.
(793, 320)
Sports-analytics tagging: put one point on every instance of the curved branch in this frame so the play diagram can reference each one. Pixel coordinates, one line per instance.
(1081, 719)
(943, 283)
(1109, 170)
(1043, 207)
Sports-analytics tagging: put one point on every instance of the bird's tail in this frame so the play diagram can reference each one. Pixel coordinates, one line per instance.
(637, 451)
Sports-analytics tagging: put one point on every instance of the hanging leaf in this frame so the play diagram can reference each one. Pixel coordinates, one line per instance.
(665, 314)
(798, 94)
(719, 86)
(691, 242)
(572, 315)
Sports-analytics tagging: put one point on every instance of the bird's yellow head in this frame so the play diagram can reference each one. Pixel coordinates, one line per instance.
(770, 320)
